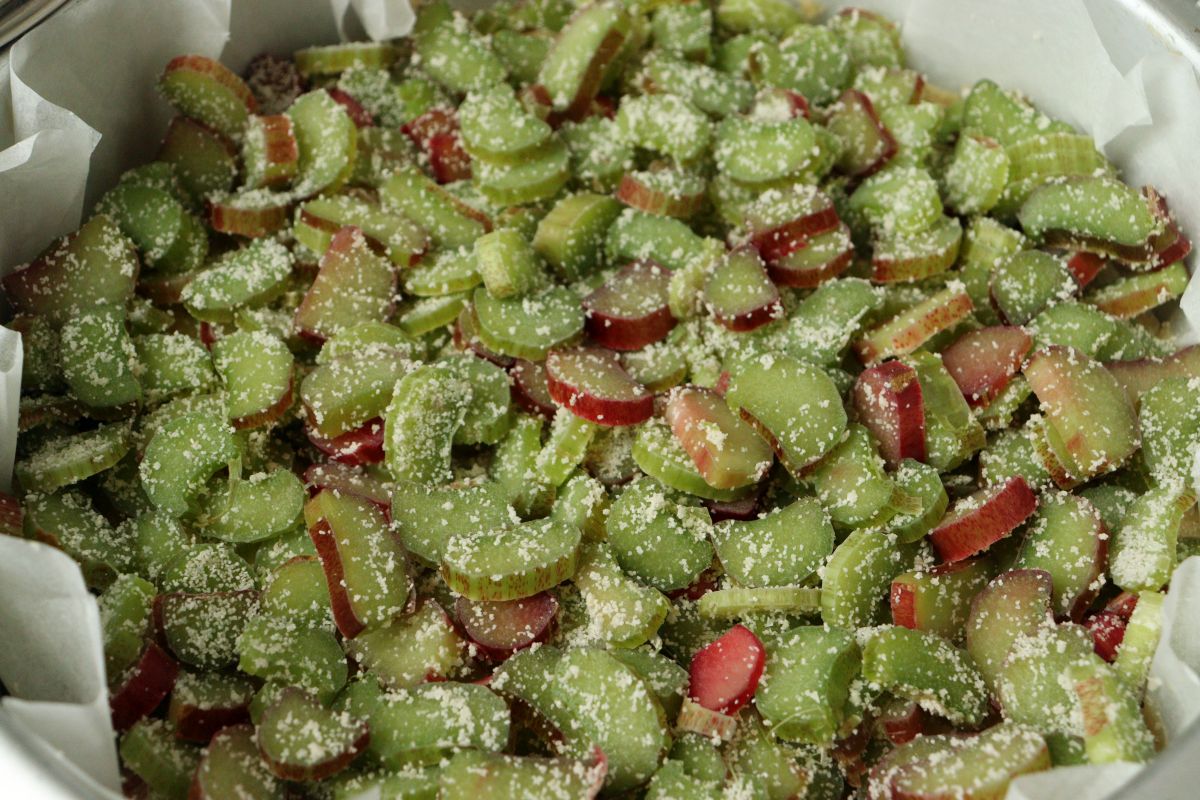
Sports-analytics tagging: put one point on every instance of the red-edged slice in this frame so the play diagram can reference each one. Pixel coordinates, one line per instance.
(774, 102)
(980, 520)
(197, 723)
(902, 722)
(356, 448)
(823, 257)
(360, 116)
(666, 193)
(727, 451)
(725, 674)
(257, 214)
(348, 480)
(301, 740)
(776, 239)
(740, 294)
(592, 384)
(630, 310)
(983, 361)
(1170, 245)
(436, 133)
(466, 337)
(530, 390)
(499, 629)
(1108, 631)
(853, 117)
(1084, 267)
(146, 686)
(889, 402)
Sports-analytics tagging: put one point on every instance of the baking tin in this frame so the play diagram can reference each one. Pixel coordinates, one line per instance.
(1131, 29)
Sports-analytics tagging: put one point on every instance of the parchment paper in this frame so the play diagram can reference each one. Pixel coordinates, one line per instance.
(78, 107)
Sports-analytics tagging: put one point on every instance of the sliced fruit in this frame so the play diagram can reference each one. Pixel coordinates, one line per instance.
(725, 674)
(500, 628)
(983, 361)
(888, 400)
(511, 563)
(353, 285)
(740, 294)
(630, 309)
(301, 740)
(978, 521)
(592, 384)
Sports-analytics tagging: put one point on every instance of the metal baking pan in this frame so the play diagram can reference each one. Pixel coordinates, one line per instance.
(1132, 29)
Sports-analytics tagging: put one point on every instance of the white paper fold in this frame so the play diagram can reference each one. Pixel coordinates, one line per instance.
(99, 59)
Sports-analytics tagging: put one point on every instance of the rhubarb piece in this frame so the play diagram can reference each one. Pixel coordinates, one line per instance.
(823, 258)
(783, 548)
(498, 629)
(1095, 213)
(757, 150)
(1068, 540)
(144, 688)
(869, 145)
(296, 590)
(472, 775)
(1014, 604)
(807, 682)
(1136, 294)
(496, 127)
(660, 366)
(511, 563)
(1091, 428)
(668, 191)
(1028, 282)
(630, 311)
(659, 454)
(1030, 688)
(353, 284)
(740, 294)
(202, 627)
(897, 203)
(1142, 553)
(591, 384)
(151, 752)
(232, 767)
(1114, 729)
(784, 222)
(270, 154)
(917, 256)
(910, 329)
(206, 90)
(725, 449)
(252, 214)
(528, 327)
(858, 576)
(251, 276)
(327, 138)
(410, 649)
(569, 235)
(725, 674)
(922, 484)
(977, 522)
(656, 540)
(388, 233)
(301, 740)
(436, 132)
(95, 265)
(939, 599)
(202, 703)
(983, 361)
(278, 651)
(925, 668)
(98, 358)
(565, 448)
(428, 406)
(793, 405)
(364, 561)
(530, 389)
(1139, 376)
(266, 505)
(64, 460)
(204, 161)
(888, 400)
(663, 123)
(256, 370)
(621, 611)
(180, 459)
(976, 175)
(508, 265)
(978, 767)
